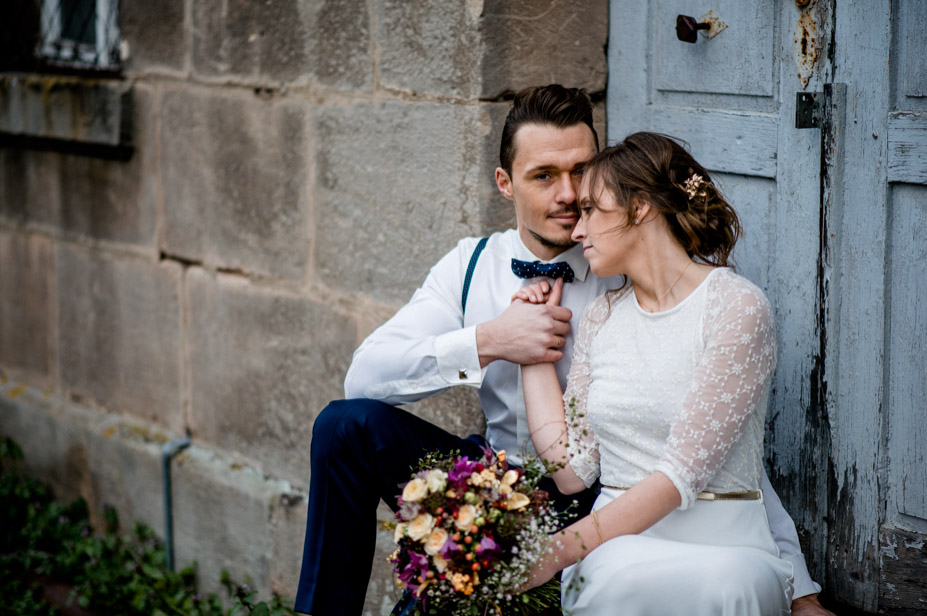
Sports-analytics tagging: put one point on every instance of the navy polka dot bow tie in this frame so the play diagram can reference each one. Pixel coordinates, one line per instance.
(527, 269)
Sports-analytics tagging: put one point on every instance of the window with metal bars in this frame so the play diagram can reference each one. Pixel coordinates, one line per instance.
(45, 35)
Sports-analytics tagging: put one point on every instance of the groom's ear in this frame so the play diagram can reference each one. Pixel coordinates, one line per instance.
(504, 183)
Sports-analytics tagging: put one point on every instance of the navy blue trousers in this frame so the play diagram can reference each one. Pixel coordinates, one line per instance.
(361, 451)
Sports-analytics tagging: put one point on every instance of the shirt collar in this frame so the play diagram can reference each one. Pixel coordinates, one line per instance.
(573, 256)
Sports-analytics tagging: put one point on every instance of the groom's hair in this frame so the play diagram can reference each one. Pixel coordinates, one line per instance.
(552, 105)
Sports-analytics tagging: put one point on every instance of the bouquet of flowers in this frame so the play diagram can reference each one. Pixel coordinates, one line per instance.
(469, 532)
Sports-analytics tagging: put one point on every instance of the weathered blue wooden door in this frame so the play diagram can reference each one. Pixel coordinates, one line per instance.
(836, 233)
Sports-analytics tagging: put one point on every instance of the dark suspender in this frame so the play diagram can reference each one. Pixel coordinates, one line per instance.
(470, 267)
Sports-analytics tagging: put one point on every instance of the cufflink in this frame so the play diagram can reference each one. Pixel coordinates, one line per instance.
(462, 374)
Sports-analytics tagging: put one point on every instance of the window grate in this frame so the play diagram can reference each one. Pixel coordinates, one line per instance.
(59, 34)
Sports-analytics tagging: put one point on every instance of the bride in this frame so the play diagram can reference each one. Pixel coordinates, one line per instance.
(665, 403)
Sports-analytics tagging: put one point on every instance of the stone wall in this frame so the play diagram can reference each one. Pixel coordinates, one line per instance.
(217, 281)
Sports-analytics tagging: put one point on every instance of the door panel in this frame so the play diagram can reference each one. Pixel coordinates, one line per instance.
(910, 51)
(732, 142)
(732, 98)
(835, 222)
(757, 211)
(742, 56)
(836, 225)
(908, 377)
(904, 555)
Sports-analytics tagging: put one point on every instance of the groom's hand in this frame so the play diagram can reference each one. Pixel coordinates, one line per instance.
(524, 334)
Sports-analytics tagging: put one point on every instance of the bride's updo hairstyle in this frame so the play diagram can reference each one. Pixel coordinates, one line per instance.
(658, 169)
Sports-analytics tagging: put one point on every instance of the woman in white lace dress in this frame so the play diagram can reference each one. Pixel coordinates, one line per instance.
(665, 403)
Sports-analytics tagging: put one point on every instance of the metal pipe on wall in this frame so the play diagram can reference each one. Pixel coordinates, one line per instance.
(167, 453)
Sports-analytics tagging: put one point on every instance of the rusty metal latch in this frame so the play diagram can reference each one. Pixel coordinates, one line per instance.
(709, 24)
(809, 109)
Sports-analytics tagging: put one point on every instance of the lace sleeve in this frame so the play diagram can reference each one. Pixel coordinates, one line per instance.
(582, 443)
(731, 383)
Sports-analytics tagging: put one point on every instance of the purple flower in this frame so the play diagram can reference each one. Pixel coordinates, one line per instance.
(487, 544)
(408, 511)
(449, 546)
(417, 566)
(462, 470)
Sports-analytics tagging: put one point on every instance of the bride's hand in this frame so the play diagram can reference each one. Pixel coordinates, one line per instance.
(544, 569)
(547, 566)
(541, 293)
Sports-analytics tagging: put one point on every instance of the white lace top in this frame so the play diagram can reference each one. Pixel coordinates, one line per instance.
(683, 392)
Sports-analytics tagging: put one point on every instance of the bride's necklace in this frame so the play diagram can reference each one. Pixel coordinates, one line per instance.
(662, 297)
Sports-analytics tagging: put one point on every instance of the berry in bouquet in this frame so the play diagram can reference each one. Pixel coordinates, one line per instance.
(468, 533)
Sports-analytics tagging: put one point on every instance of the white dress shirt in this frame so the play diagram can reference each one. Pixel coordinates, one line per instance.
(430, 345)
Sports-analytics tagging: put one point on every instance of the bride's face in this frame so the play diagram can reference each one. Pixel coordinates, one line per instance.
(604, 230)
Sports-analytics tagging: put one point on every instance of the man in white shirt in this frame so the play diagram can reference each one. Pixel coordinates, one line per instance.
(460, 328)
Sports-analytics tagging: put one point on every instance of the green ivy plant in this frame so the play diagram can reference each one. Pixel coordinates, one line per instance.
(110, 573)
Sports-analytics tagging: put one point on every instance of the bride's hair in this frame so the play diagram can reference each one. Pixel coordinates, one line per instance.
(658, 168)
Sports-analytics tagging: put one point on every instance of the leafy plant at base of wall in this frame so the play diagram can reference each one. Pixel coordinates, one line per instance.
(110, 573)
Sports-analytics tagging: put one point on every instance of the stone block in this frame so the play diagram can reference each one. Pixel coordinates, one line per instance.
(263, 40)
(222, 509)
(289, 533)
(234, 177)
(54, 441)
(26, 304)
(156, 35)
(264, 363)
(563, 43)
(29, 185)
(125, 473)
(69, 109)
(340, 43)
(395, 192)
(284, 40)
(382, 593)
(496, 212)
(222, 512)
(119, 333)
(114, 200)
(430, 46)
(82, 452)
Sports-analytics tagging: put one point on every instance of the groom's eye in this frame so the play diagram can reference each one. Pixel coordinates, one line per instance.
(542, 176)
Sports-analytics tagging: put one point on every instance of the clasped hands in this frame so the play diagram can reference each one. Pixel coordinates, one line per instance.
(530, 331)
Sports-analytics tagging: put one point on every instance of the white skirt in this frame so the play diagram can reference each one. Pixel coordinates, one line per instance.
(715, 558)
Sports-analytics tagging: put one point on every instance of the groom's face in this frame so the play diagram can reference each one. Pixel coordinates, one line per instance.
(545, 177)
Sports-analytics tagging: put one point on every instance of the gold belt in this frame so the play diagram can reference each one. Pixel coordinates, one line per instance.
(716, 496)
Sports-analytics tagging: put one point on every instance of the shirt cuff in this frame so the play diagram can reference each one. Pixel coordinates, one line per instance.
(802, 584)
(458, 359)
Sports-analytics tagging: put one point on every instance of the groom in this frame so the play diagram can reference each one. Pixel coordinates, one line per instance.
(459, 328)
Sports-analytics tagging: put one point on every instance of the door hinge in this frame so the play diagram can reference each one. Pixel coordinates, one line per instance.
(809, 109)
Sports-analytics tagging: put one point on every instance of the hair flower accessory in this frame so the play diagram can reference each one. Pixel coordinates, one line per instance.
(696, 186)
